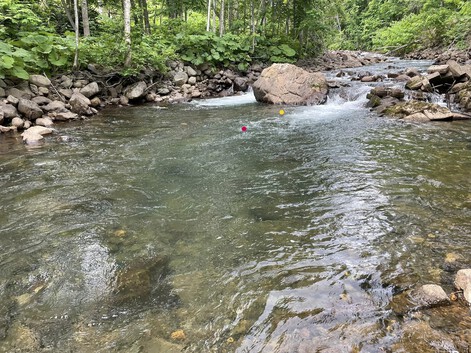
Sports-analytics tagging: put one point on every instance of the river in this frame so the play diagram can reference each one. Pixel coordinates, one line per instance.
(149, 229)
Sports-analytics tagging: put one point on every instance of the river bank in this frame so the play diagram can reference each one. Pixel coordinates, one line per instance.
(45, 102)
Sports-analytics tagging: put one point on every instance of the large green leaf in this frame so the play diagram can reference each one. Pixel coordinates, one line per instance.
(7, 62)
(19, 72)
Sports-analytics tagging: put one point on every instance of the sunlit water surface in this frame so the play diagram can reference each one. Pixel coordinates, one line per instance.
(290, 237)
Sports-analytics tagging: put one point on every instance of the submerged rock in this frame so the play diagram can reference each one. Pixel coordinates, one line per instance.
(289, 84)
(141, 281)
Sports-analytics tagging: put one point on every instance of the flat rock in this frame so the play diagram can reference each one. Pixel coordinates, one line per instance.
(39, 80)
(289, 84)
(34, 134)
(441, 69)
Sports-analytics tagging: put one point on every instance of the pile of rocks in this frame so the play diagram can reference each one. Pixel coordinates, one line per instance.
(452, 79)
(339, 59)
(43, 102)
(441, 78)
(38, 102)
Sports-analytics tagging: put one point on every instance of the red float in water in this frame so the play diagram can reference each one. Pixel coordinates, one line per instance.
(244, 128)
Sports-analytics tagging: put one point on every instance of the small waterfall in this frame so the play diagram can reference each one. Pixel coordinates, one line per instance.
(355, 94)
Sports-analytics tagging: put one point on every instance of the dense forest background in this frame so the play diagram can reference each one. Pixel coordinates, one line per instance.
(132, 35)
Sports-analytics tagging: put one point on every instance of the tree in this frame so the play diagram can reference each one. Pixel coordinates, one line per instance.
(127, 31)
(85, 20)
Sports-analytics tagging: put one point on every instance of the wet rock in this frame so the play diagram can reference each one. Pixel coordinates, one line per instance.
(4, 129)
(29, 109)
(39, 80)
(35, 134)
(138, 281)
(430, 295)
(136, 91)
(417, 117)
(90, 90)
(289, 84)
(430, 110)
(80, 104)
(463, 282)
(415, 83)
(418, 336)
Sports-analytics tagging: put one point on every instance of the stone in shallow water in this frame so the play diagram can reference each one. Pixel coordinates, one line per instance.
(430, 295)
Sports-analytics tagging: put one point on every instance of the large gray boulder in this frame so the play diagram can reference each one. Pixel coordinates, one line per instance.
(29, 109)
(80, 104)
(136, 91)
(289, 84)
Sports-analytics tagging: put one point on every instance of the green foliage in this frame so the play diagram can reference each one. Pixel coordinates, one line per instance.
(209, 48)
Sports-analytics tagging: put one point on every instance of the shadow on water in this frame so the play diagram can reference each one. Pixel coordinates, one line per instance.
(171, 230)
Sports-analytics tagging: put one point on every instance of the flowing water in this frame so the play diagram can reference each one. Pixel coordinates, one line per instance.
(171, 230)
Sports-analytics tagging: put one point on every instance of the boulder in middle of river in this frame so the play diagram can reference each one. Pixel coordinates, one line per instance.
(289, 84)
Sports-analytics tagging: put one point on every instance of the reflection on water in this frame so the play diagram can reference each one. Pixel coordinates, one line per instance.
(171, 230)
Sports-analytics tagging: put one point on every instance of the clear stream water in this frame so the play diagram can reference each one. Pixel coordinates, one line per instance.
(171, 230)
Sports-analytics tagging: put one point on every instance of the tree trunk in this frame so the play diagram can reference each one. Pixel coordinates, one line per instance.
(127, 31)
(77, 34)
(85, 21)
(67, 13)
(145, 15)
(221, 19)
(208, 19)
